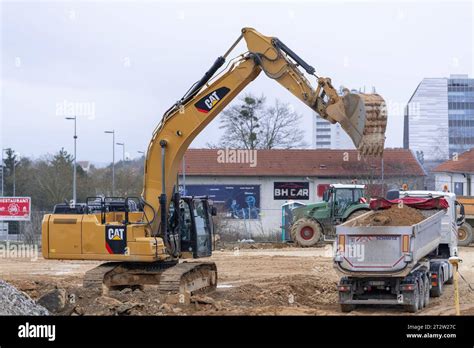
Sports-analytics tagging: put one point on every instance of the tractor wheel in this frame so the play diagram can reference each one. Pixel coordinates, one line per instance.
(306, 232)
(464, 234)
(356, 214)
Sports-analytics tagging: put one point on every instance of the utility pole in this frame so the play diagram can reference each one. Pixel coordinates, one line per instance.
(14, 175)
(383, 174)
(113, 159)
(123, 151)
(74, 191)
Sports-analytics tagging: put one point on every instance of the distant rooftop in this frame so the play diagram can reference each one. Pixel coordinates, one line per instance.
(318, 162)
(464, 163)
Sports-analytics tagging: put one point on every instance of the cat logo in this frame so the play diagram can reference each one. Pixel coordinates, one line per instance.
(116, 239)
(210, 100)
(115, 233)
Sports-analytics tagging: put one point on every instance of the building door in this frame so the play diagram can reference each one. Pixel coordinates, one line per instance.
(459, 188)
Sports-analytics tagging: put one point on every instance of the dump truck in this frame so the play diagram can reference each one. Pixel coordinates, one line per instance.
(317, 221)
(465, 234)
(397, 263)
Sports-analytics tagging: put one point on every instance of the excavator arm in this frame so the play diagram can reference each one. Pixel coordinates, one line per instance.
(363, 117)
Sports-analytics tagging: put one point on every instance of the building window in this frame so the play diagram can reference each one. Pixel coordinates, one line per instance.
(458, 188)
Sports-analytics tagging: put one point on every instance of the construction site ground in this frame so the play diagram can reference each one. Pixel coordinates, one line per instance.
(261, 279)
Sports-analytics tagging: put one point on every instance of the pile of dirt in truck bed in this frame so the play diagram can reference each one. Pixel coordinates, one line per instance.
(394, 216)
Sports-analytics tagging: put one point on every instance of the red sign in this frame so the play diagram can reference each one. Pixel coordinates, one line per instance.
(15, 208)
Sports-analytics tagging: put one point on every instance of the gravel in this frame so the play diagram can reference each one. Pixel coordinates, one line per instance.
(15, 302)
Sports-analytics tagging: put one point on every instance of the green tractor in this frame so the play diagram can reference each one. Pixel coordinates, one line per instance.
(317, 221)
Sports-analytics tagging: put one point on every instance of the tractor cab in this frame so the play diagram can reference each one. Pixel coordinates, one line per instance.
(317, 221)
(341, 197)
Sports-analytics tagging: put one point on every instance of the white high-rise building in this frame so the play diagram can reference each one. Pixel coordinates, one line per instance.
(439, 118)
(330, 136)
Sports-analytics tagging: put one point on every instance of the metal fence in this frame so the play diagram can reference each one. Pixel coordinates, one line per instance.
(28, 232)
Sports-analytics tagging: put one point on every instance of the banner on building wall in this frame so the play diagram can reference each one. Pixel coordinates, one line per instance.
(235, 201)
(291, 190)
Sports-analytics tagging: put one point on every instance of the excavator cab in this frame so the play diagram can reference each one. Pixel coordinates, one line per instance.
(193, 220)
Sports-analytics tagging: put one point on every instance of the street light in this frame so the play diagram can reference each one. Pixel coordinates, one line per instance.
(123, 151)
(75, 164)
(113, 159)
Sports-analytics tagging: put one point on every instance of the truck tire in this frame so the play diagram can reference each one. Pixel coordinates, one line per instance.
(347, 308)
(421, 289)
(306, 232)
(437, 291)
(415, 306)
(427, 286)
(464, 234)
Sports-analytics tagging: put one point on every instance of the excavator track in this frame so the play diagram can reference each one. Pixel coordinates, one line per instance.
(192, 277)
(94, 278)
(171, 277)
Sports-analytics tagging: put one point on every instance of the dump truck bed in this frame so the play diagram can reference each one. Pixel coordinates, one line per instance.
(371, 251)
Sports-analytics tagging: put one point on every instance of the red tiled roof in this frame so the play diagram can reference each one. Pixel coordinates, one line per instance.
(321, 163)
(464, 163)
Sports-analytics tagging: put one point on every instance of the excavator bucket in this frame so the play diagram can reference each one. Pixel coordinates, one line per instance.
(364, 118)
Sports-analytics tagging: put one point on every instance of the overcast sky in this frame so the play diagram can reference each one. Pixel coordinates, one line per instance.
(122, 64)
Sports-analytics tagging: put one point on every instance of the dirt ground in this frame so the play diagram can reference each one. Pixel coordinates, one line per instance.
(253, 280)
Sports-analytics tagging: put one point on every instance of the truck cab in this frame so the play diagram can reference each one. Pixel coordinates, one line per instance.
(450, 223)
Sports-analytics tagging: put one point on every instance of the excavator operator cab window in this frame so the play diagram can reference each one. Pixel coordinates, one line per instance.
(181, 219)
(186, 225)
(203, 223)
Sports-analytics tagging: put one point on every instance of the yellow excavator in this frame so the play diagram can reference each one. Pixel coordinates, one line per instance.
(143, 239)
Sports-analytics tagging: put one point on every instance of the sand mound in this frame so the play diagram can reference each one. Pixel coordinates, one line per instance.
(394, 216)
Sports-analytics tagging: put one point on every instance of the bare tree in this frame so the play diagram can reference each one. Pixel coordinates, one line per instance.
(280, 128)
(249, 124)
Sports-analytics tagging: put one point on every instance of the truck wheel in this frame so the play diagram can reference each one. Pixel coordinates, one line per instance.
(465, 234)
(413, 308)
(306, 232)
(421, 287)
(437, 291)
(346, 308)
(427, 290)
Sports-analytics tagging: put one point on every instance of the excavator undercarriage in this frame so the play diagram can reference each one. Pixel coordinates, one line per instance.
(171, 277)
